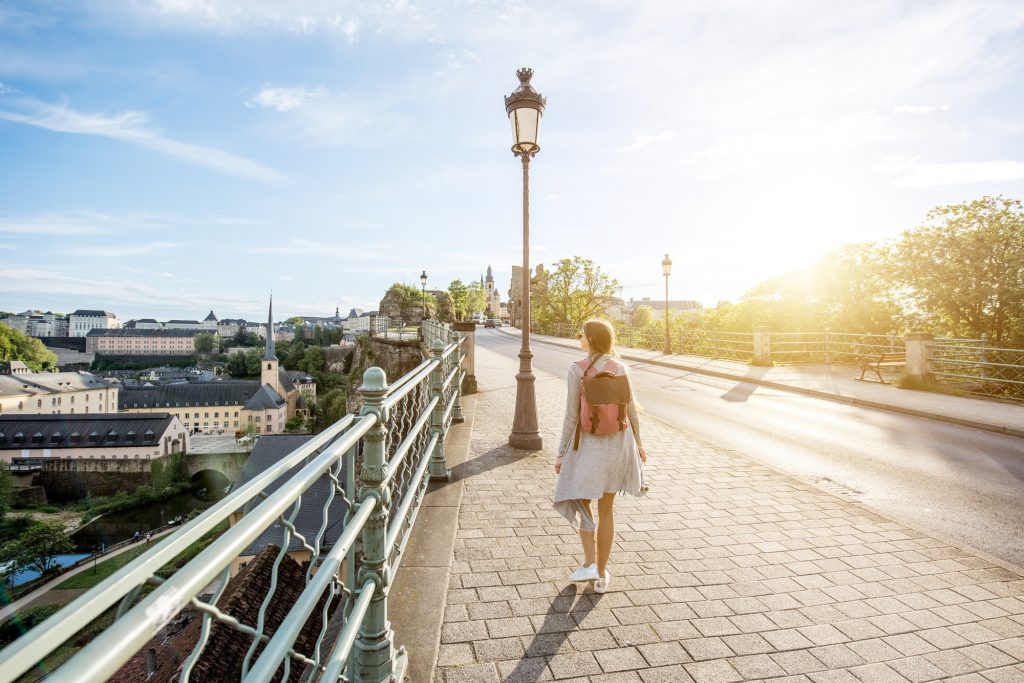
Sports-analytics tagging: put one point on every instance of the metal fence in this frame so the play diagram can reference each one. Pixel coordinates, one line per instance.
(392, 328)
(841, 348)
(433, 330)
(975, 367)
(376, 464)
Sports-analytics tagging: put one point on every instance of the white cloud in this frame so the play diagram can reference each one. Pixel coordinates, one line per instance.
(305, 248)
(284, 99)
(5, 89)
(54, 224)
(641, 140)
(130, 127)
(918, 109)
(913, 173)
(124, 250)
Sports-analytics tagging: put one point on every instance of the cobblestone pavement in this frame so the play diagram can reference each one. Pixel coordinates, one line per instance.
(727, 571)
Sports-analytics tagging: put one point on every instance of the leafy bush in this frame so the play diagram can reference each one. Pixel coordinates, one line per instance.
(24, 621)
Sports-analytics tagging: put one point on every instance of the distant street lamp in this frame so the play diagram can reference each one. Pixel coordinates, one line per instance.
(524, 108)
(423, 286)
(666, 269)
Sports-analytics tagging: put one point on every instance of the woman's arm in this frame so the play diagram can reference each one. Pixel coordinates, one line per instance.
(572, 410)
(634, 418)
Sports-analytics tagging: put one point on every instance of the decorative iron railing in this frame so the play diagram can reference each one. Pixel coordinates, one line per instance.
(371, 469)
(433, 330)
(975, 367)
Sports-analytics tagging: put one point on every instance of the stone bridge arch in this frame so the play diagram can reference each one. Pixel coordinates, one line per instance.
(228, 465)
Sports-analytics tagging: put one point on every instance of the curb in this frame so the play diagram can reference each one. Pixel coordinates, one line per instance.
(815, 393)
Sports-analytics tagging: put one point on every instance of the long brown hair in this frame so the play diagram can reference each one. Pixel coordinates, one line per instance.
(600, 337)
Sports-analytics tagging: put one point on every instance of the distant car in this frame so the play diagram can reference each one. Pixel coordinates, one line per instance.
(497, 322)
(489, 323)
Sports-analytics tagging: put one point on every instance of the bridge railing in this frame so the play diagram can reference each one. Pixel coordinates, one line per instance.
(433, 330)
(375, 467)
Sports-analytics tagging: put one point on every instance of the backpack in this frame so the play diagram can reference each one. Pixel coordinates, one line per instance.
(603, 399)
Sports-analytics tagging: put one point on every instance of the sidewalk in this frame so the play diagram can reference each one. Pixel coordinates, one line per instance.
(838, 383)
(727, 571)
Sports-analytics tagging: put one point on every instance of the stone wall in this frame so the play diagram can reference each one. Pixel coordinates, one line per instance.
(66, 479)
(395, 357)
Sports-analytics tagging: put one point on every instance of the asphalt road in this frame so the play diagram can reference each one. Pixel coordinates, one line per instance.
(963, 483)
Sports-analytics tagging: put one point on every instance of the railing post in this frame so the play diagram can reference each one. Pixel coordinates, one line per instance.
(376, 659)
(468, 332)
(762, 347)
(919, 347)
(438, 467)
(828, 348)
(457, 416)
(714, 344)
(983, 356)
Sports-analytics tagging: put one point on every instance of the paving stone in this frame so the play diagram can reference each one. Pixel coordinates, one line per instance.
(570, 664)
(717, 671)
(952, 663)
(525, 670)
(748, 644)
(456, 654)
(497, 649)
(620, 659)
(797, 662)
(665, 674)
(917, 669)
(664, 654)
(474, 673)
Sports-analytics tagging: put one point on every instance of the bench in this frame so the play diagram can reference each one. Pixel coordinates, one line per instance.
(889, 359)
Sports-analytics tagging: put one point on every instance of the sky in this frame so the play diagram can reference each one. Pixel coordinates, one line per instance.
(162, 158)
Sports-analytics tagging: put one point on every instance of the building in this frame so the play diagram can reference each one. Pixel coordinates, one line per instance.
(229, 327)
(268, 451)
(38, 324)
(515, 294)
(210, 321)
(657, 307)
(23, 392)
(82, 321)
(262, 406)
(135, 342)
(358, 321)
(305, 383)
(492, 299)
(101, 437)
(143, 324)
(183, 325)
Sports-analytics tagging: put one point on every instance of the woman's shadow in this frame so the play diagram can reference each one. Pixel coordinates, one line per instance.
(562, 618)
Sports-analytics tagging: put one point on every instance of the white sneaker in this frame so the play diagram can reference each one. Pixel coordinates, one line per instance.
(601, 585)
(585, 573)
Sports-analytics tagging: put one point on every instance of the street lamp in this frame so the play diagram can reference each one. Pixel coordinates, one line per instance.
(423, 287)
(524, 108)
(666, 269)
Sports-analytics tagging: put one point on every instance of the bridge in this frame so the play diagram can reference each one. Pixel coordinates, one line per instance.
(727, 570)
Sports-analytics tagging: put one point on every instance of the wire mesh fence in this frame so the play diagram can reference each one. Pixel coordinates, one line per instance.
(293, 589)
(975, 367)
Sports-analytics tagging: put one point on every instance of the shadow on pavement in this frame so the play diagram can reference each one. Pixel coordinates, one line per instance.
(487, 461)
(562, 618)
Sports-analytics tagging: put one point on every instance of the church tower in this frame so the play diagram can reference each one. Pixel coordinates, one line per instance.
(269, 372)
(492, 297)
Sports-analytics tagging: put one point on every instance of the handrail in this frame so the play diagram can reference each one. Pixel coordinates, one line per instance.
(415, 412)
(23, 652)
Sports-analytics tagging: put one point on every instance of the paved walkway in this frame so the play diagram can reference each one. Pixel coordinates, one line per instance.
(727, 571)
(840, 383)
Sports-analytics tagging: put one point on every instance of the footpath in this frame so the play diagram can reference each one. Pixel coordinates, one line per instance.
(727, 571)
(837, 383)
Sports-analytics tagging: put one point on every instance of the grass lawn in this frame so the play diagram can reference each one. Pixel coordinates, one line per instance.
(88, 579)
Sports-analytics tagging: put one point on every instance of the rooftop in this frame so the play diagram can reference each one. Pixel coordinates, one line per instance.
(82, 431)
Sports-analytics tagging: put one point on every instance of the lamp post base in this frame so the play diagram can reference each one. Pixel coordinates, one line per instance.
(525, 435)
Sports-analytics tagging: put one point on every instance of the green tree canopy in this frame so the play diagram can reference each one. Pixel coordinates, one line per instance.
(460, 298)
(15, 345)
(205, 342)
(964, 268)
(39, 547)
(643, 315)
(576, 290)
(476, 298)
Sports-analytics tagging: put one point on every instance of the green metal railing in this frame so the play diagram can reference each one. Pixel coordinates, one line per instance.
(377, 464)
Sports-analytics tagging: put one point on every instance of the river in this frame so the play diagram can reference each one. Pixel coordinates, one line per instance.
(114, 527)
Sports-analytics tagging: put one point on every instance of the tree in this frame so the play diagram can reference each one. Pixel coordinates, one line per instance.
(642, 316)
(964, 267)
(460, 298)
(331, 407)
(575, 291)
(476, 298)
(205, 342)
(5, 491)
(15, 345)
(39, 547)
(313, 360)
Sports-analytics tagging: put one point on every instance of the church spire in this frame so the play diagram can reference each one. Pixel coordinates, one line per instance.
(269, 353)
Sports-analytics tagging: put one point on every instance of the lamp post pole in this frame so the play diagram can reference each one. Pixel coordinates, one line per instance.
(423, 294)
(524, 108)
(666, 269)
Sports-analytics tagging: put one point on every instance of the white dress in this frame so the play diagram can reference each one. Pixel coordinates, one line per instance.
(604, 463)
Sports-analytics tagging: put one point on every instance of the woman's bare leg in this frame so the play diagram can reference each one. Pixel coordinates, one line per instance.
(605, 531)
(587, 537)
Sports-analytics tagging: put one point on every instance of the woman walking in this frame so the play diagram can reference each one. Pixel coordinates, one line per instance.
(593, 465)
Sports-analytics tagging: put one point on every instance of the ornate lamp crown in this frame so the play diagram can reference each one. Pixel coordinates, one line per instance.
(525, 95)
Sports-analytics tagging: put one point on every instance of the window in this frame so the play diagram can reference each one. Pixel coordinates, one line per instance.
(39, 403)
(268, 366)
(206, 415)
(217, 414)
(236, 413)
(20, 405)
